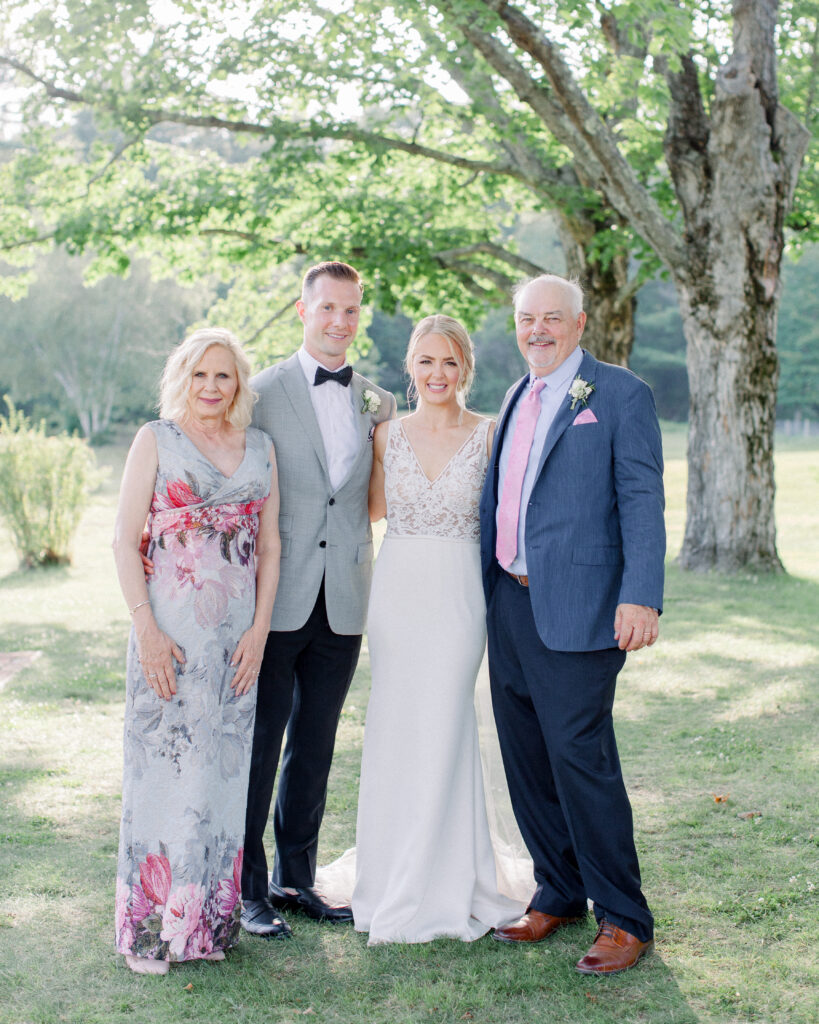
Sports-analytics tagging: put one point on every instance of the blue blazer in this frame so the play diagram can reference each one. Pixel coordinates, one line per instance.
(595, 532)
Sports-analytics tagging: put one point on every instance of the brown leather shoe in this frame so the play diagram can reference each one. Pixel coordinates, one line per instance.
(534, 926)
(613, 950)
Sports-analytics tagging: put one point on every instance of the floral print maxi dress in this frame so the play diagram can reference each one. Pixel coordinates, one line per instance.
(187, 760)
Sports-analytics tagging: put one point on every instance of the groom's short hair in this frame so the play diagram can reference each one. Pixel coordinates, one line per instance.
(333, 268)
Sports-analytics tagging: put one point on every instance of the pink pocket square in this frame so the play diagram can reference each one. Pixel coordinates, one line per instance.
(587, 416)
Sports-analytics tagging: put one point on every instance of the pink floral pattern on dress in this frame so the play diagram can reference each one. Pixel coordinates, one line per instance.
(155, 875)
(184, 923)
(229, 892)
(187, 760)
(182, 917)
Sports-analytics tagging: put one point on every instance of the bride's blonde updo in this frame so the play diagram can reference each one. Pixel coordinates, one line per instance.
(460, 344)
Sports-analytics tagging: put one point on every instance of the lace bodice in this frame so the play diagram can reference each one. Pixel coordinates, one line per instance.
(444, 507)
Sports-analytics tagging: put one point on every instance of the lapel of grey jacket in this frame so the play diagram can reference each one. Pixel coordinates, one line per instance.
(357, 385)
(297, 390)
(565, 414)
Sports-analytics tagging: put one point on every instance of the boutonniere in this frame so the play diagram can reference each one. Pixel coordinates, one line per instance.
(580, 391)
(372, 402)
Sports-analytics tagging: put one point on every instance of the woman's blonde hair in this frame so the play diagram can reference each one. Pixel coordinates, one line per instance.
(459, 342)
(178, 373)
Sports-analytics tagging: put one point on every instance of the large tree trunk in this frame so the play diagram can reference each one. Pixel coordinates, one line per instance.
(734, 200)
(734, 168)
(609, 298)
(732, 372)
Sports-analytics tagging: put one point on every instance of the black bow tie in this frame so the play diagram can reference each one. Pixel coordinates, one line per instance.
(342, 376)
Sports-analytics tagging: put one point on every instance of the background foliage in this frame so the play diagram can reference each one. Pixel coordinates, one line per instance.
(114, 336)
(45, 482)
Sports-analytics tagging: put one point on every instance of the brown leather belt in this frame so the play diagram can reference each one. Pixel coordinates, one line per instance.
(522, 580)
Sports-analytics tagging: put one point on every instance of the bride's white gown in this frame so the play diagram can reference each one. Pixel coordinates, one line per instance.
(424, 861)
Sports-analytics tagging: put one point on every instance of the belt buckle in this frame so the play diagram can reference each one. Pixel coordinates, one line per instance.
(522, 581)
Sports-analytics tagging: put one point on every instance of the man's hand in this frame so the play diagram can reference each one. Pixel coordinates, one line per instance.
(635, 626)
(147, 564)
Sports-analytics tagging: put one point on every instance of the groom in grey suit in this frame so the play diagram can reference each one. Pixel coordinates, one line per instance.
(321, 416)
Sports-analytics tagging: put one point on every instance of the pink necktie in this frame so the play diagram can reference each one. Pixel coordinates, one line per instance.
(506, 546)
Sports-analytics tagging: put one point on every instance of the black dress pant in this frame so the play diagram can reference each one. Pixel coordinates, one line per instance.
(304, 679)
(553, 711)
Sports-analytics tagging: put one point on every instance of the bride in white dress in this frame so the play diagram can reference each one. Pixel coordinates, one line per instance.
(425, 862)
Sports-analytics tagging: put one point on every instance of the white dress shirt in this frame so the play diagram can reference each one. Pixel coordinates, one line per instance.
(333, 406)
(551, 398)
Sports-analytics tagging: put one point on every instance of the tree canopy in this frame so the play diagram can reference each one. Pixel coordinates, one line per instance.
(654, 129)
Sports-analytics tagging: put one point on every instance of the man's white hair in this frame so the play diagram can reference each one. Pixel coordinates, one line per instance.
(570, 285)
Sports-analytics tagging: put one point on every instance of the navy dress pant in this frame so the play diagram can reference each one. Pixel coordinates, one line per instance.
(304, 679)
(553, 711)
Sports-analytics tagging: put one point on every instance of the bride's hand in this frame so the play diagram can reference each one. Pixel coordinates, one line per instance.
(156, 655)
(248, 659)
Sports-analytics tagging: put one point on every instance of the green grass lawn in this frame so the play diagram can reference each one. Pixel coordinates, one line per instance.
(722, 707)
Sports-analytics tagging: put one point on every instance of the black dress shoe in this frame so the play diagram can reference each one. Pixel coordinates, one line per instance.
(260, 918)
(308, 901)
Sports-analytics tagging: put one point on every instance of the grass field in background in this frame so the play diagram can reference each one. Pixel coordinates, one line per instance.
(717, 732)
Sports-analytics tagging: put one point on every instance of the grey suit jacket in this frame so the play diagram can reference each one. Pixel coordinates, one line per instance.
(325, 533)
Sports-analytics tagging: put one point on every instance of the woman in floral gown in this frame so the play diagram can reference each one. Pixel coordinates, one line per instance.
(206, 482)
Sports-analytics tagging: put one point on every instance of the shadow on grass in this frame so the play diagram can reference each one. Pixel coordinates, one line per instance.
(57, 863)
(59, 887)
(36, 578)
(451, 981)
(76, 665)
(779, 606)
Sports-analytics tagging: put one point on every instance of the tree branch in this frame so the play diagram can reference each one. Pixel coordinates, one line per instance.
(587, 136)
(617, 39)
(518, 262)
(502, 282)
(629, 290)
(276, 128)
(686, 138)
(55, 92)
(269, 323)
(125, 144)
(47, 237)
(471, 285)
(542, 177)
(247, 236)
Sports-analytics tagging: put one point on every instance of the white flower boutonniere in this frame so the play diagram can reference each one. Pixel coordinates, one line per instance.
(372, 402)
(580, 391)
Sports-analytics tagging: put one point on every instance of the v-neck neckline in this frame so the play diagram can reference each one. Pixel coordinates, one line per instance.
(210, 462)
(449, 461)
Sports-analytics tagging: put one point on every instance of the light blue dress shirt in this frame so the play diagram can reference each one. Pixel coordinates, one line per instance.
(551, 398)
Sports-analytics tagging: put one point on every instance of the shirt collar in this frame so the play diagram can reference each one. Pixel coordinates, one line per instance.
(560, 379)
(309, 365)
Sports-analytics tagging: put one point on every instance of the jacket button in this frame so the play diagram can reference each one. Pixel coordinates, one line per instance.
(332, 501)
(322, 543)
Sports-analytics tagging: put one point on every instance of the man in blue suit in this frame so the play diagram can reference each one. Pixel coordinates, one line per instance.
(572, 547)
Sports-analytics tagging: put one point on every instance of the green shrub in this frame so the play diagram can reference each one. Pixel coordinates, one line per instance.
(44, 487)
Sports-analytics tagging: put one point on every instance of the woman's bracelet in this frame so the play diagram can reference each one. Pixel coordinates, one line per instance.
(141, 603)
